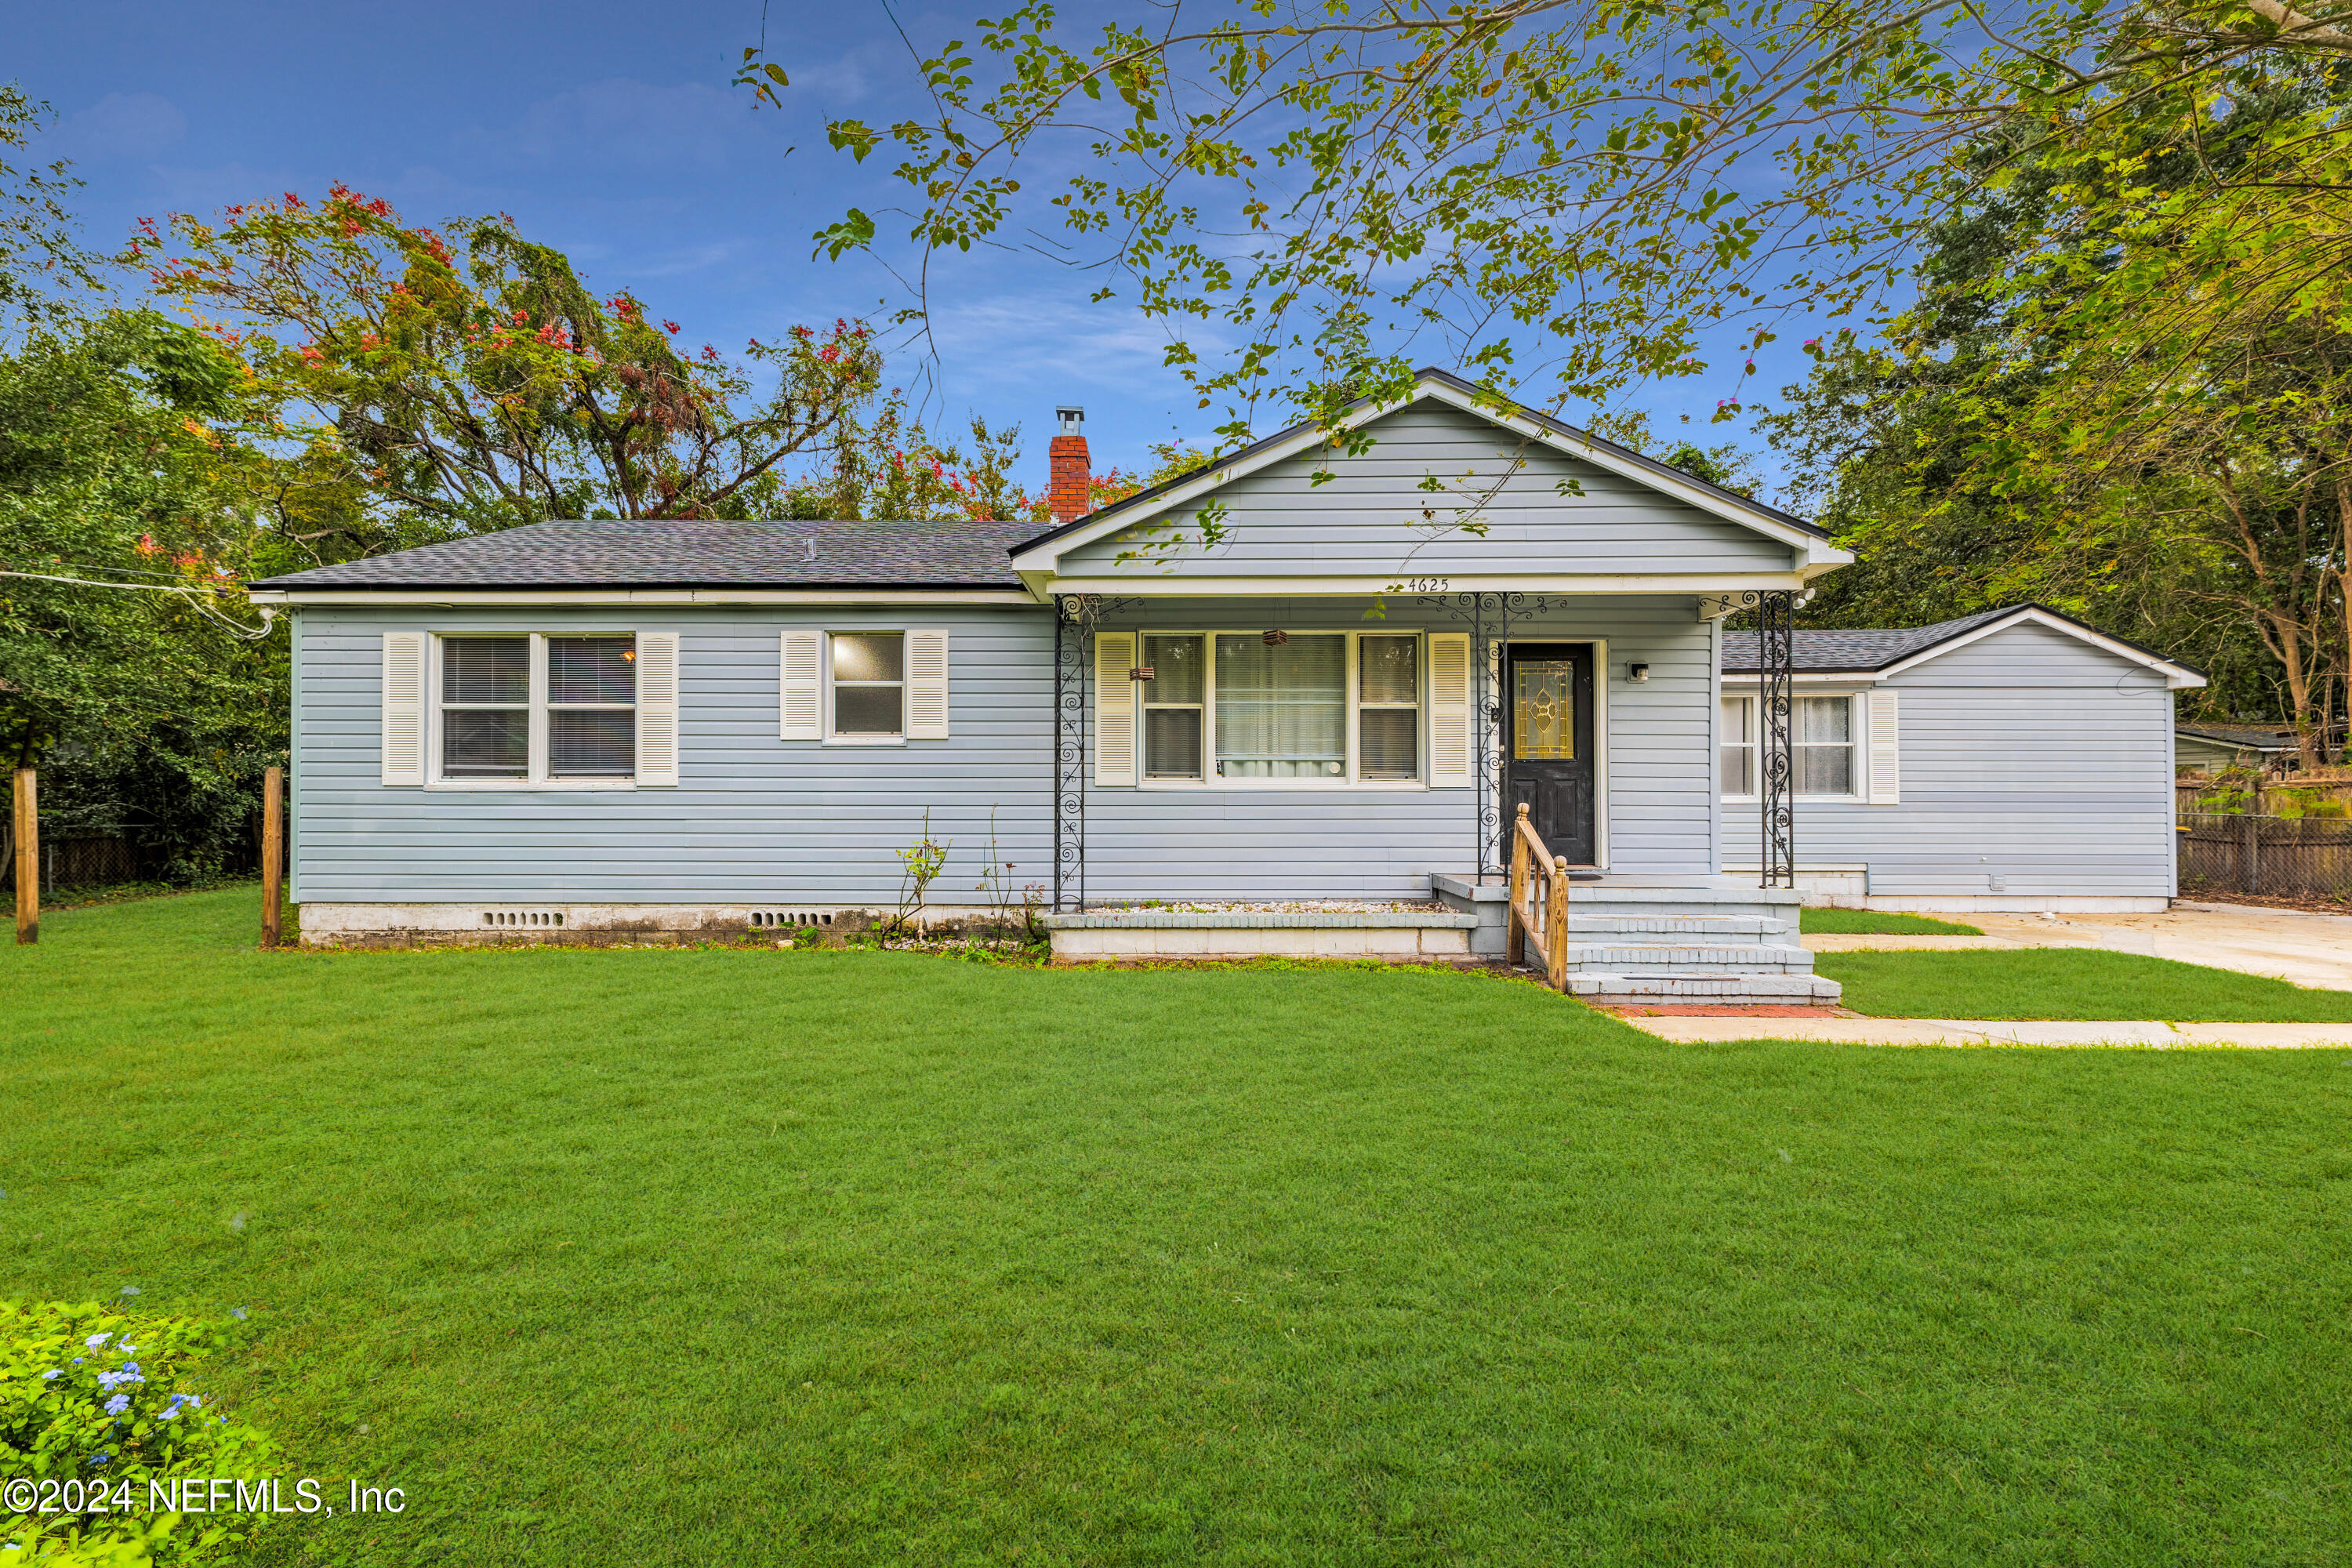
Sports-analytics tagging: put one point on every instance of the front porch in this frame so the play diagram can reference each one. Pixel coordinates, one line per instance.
(1628, 938)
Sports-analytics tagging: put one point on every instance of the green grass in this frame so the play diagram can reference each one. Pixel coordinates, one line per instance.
(2070, 982)
(1878, 923)
(857, 1258)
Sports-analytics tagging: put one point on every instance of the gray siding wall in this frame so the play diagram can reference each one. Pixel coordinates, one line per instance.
(756, 820)
(2027, 755)
(1368, 519)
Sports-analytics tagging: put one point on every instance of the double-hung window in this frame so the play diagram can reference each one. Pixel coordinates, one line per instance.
(1823, 746)
(1307, 708)
(538, 708)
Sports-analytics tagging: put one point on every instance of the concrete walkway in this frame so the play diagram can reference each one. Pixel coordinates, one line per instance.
(2284, 945)
(1984, 1032)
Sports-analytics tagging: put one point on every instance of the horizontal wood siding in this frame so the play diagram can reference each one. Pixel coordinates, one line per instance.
(2028, 756)
(1368, 518)
(755, 819)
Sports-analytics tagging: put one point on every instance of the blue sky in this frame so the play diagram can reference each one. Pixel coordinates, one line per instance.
(610, 131)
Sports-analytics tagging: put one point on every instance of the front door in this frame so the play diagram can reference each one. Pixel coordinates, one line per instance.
(1547, 745)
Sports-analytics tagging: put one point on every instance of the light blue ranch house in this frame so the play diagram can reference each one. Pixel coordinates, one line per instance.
(1335, 700)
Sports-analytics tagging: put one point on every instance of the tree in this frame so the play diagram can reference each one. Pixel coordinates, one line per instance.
(2068, 414)
(40, 260)
(1568, 194)
(127, 666)
(448, 385)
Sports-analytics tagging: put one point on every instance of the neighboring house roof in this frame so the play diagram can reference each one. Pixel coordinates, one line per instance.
(672, 554)
(1430, 383)
(1883, 651)
(2247, 737)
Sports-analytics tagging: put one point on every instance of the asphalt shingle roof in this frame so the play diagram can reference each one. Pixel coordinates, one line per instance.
(639, 555)
(1825, 652)
(2265, 737)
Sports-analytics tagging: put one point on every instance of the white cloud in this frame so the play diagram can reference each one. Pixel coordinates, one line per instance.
(120, 125)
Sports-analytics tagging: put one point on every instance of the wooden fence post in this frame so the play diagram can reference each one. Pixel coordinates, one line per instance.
(1514, 943)
(2250, 854)
(28, 861)
(1556, 929)
(273, 852)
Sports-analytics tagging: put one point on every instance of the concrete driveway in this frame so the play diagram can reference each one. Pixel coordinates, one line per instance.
(2285, 944)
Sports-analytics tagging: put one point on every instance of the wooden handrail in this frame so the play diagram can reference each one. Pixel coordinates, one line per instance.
(1528, 852)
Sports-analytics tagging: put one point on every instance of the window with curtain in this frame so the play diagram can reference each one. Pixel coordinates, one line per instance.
(869, 683)
(1282, 709)
(1173, 701)
(485, 708)
(591, 707)
(1825, 745)
(1388, 710)
(1736, 752)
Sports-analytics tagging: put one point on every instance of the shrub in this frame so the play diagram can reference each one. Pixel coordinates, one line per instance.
(90, 1411)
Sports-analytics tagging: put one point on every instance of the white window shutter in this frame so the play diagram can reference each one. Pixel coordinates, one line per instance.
(802, 690)
(404, 708)
(1114, 708)
(657, 708)
(927, 685)
(1885, 749)
(1449, 710)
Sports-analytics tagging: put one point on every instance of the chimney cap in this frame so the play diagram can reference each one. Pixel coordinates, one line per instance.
(1070, 419)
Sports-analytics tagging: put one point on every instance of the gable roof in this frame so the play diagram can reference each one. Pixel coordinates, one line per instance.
(1039, 553)
(698, 555)
(2251, 737)
(1885, 651)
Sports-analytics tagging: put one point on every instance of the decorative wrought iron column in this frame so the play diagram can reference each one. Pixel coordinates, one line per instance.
(1776, 786)
(1073, 670)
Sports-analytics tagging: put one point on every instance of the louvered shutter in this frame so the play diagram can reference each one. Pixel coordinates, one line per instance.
(404, 708)
(927, 686)
(1449, 710)
(1885, 749)
(657, 708)
(1114, 708)
(800, 699)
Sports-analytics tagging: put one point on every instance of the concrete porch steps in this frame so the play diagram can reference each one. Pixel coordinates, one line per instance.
(1711, 938)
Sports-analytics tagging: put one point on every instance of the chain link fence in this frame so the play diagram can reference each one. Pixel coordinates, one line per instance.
(74, 863)
(2272, 856)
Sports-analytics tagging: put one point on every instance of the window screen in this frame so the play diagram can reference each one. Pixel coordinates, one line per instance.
(869, 683)
(485, 708)
(1172, 706)
(1388, 718)
(592, 719)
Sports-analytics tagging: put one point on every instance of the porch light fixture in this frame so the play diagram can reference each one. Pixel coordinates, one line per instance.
(1275, 639)
(1639, 674)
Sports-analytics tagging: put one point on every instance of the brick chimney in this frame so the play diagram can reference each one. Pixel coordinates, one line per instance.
(1065, 491)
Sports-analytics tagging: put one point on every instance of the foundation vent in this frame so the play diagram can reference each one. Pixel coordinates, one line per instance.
(522, 917)
(782, 919)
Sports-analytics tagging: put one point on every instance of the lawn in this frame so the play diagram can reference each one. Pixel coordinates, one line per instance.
(2070, 982)
(854, 1258)
(1877, 922)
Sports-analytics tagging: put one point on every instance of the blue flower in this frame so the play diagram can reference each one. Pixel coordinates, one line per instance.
(236, 1312)
(118, 1404)
(168, 1414)
(52, 1375)
(97, 1341)
(130, 1289)
(126, 1348)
